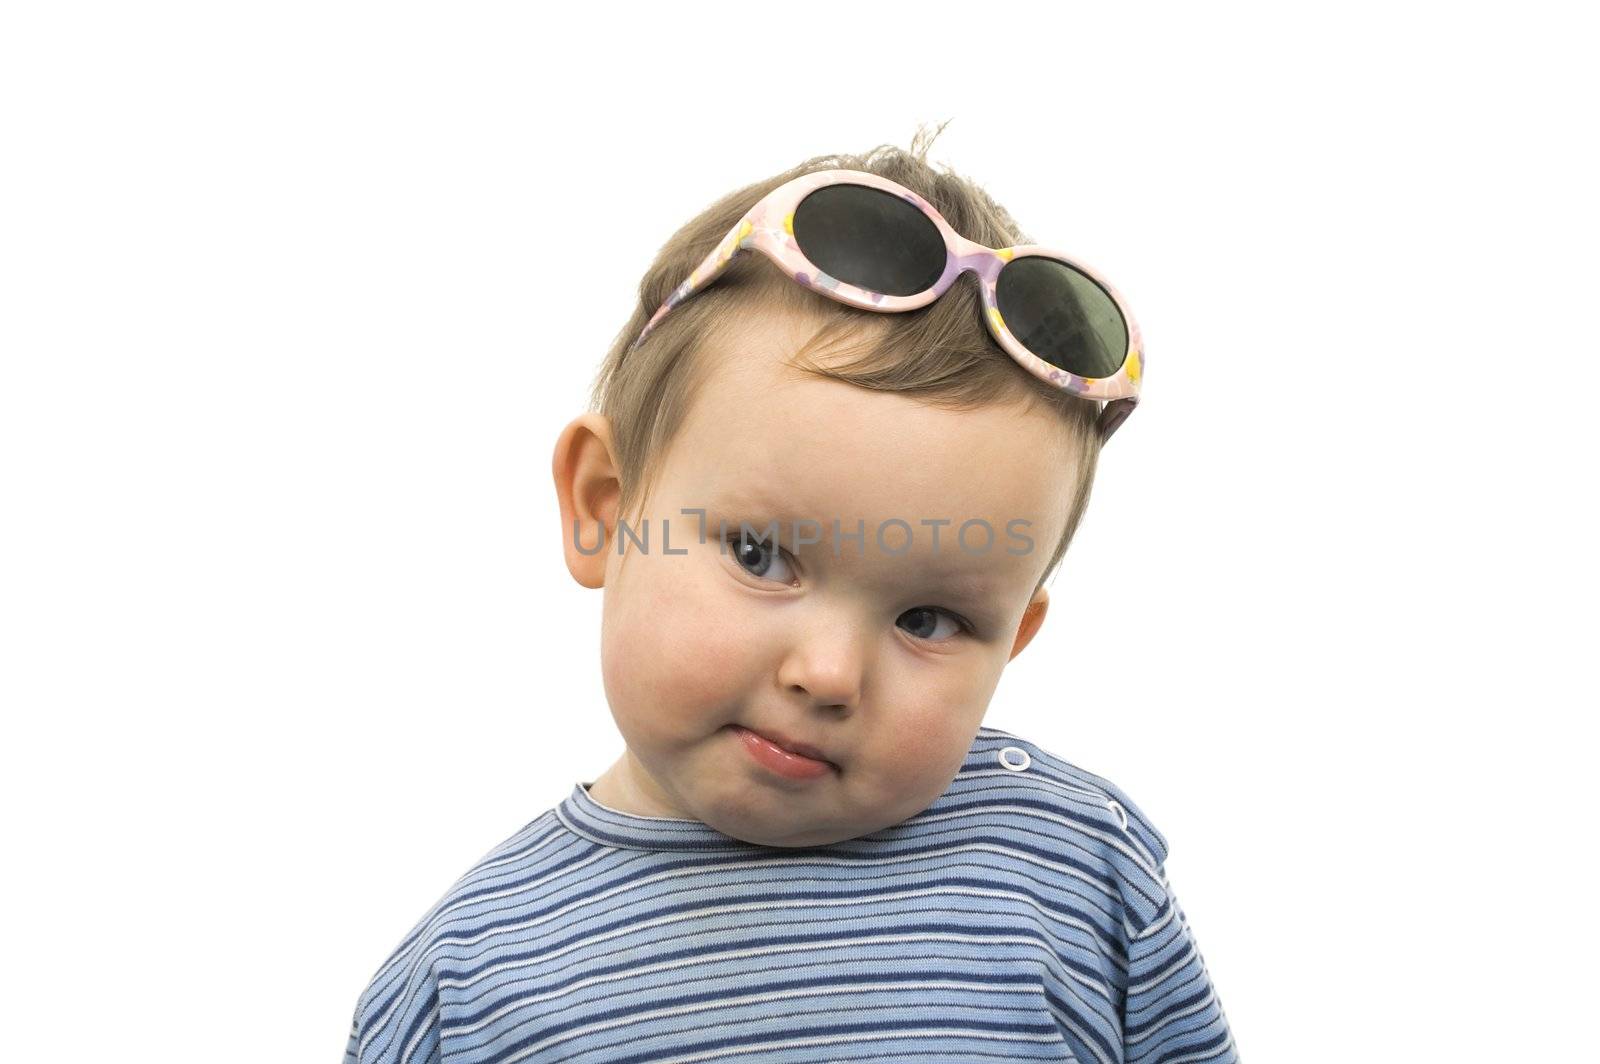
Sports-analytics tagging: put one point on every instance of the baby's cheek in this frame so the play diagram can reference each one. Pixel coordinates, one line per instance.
(918, 754)
(714, 658)
(698, 654)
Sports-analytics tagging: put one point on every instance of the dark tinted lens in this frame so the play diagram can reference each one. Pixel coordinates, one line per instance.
(870, 238)
(1062, 316)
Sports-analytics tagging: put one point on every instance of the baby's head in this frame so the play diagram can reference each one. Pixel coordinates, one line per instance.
(841, 451)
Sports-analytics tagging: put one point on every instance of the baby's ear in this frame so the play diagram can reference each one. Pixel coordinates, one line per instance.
(588, 491)
(1032, 618)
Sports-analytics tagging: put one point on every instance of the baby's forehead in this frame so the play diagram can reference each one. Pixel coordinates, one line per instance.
(817, 445)
(774, 439)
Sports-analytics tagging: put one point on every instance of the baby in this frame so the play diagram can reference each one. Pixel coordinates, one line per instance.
(823, 496)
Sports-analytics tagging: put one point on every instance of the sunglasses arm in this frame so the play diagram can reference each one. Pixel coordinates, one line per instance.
(702, 275)
(1113, 414)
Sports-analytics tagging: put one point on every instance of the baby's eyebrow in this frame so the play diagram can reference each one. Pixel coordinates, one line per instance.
(726, 513)
(750, 500)
(978, 592)
(971, 581)
(975, 584)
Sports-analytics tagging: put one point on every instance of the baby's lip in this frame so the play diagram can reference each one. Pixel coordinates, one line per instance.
(794, 746)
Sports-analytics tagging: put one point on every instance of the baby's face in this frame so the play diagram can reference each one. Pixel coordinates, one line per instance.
(864, 654)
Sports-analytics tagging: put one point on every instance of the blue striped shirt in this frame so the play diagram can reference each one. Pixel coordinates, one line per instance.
(1024, 915)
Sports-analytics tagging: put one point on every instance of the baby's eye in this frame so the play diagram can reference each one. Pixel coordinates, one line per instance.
(924, 622)
(757, 557)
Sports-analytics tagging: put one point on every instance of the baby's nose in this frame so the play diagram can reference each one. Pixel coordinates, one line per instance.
(826, 667)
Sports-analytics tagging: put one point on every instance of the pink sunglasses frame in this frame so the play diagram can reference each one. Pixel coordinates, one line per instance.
(768, 227)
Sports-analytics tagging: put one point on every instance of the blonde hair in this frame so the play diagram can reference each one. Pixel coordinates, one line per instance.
(941, 354)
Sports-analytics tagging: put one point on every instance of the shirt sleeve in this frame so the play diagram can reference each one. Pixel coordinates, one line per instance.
(1171, 1012)
(397, 1017)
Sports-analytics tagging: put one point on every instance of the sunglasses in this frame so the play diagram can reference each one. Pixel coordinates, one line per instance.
(874, 244)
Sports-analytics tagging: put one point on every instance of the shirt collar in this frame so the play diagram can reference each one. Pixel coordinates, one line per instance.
(584, 815)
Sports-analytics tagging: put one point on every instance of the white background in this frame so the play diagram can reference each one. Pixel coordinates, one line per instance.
(295, 299)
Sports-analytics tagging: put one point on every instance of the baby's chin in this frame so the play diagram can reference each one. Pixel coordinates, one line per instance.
(775, 819)
(787, 837)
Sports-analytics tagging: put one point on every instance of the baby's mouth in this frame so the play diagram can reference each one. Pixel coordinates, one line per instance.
(791, 746)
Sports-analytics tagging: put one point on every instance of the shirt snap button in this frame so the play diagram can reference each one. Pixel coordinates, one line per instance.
(1020, 752)
(1116, 807)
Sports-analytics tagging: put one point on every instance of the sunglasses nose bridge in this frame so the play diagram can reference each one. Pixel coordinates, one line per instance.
(966, 256)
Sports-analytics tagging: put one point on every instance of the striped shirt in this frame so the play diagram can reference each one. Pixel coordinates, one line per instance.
(1024, 915)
